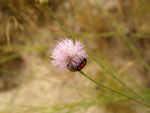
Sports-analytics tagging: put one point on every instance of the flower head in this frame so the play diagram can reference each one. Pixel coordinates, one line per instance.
(68, 54)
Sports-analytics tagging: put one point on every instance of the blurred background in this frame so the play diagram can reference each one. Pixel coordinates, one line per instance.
(116, 32)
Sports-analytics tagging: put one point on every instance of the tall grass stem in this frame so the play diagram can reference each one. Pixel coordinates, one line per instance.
(113, 90)
(95, 60)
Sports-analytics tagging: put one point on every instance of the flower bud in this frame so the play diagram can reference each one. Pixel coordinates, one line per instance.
(44, 2)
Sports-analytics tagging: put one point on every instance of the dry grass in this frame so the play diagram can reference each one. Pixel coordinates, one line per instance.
(115, 33)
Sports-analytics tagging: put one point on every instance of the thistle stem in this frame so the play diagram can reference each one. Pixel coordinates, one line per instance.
(60, 23)
(113, 90)
(100, 64)
(115, 77)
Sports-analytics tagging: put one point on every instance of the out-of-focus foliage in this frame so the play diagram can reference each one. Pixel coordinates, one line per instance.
(116, 32)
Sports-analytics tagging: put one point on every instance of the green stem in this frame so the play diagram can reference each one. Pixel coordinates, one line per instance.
(101, 65)
(60, 23)
(113, 90)
(115, 77)
(137, 53)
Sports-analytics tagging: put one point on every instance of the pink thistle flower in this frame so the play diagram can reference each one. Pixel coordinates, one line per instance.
(67, 54)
